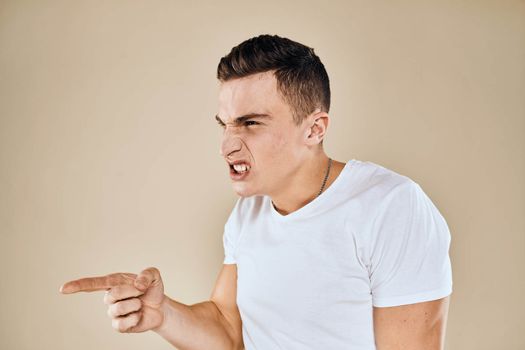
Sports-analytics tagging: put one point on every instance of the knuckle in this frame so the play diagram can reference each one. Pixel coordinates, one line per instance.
(125, 324)
(115, 324)
(121, 326)
(120, 308)
(107, 298)
(153, 270)
(114, 294)
(124, 292)
(112, 279)
(125, 278)
(112, 312)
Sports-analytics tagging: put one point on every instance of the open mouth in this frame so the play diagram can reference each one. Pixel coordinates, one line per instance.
(239, 170)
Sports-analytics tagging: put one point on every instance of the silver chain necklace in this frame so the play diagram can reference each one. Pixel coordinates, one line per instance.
(326, 176)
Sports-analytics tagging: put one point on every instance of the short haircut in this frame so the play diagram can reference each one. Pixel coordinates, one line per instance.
(302, 80)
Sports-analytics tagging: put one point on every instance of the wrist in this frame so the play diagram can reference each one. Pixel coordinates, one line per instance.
(165, 312)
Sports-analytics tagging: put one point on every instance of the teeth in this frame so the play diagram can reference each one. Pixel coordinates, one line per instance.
(241, 168)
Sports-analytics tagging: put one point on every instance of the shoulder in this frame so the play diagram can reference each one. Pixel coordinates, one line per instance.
(381, 191)
(397, 204)
(379, 184)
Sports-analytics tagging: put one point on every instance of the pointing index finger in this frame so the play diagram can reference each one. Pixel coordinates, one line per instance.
(99, 283)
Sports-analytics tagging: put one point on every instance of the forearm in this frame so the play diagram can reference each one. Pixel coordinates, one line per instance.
(195, 327)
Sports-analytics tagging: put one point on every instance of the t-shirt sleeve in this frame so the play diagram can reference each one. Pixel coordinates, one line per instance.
(231, 234)
(409, 249)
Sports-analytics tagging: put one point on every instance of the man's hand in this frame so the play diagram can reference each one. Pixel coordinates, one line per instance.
(134, 301)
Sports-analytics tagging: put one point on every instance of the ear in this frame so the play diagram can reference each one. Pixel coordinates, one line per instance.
(317, 124)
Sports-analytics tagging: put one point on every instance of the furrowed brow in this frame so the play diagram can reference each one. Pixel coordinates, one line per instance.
(241, 119)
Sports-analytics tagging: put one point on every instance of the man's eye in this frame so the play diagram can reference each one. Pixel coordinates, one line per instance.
(250, 122)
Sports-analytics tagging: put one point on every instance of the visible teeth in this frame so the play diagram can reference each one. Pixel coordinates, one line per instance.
(240, 168)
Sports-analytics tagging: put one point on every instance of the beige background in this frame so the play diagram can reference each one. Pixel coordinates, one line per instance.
(109, 155)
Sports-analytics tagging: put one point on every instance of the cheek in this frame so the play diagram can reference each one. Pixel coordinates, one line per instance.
(282, 153)
(274, 149)
(279, 150)
(280, 142)
(270, 145)
(287, 144)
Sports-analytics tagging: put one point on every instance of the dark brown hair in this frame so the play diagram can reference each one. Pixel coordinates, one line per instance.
(301, 78)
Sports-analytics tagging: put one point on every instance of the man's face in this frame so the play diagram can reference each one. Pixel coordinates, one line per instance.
(265, 139)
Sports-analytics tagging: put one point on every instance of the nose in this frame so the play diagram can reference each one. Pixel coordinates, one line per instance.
(229, 144)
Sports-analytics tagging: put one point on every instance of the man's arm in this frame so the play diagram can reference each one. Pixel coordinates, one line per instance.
(419, 326)
(213, 324)
(138, 304)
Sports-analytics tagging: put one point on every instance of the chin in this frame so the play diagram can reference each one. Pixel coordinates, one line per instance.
(241, 189)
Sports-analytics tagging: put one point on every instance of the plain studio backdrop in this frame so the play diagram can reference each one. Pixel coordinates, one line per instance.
(109, 151)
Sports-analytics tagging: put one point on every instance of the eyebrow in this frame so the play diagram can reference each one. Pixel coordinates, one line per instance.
(242, 118)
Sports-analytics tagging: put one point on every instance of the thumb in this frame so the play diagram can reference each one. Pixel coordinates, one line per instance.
(147, 278)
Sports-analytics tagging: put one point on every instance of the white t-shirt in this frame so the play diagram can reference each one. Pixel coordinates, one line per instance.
(309, 279)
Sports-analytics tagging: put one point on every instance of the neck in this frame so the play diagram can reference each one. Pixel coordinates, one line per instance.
(304, 185)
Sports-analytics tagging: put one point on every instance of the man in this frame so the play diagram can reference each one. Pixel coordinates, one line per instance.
(319, 254)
